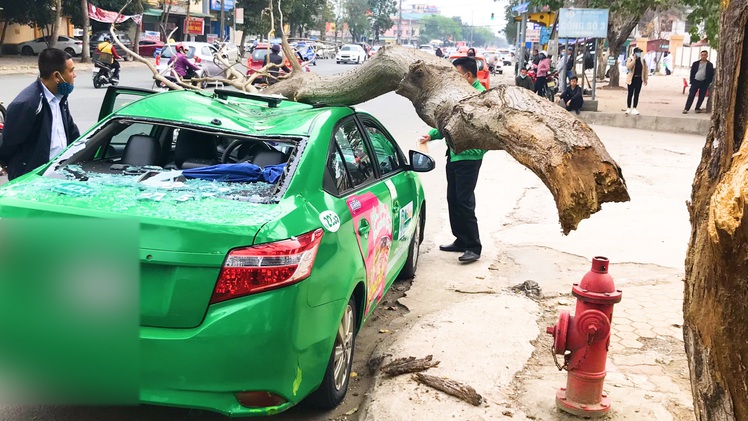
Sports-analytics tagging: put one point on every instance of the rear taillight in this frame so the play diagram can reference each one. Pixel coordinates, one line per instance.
(158, 59)
(249, 270)
(197, 59)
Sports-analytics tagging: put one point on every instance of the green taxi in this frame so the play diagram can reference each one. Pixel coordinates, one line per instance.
(268, 231)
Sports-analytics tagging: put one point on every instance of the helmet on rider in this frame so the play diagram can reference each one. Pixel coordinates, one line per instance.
(180, 48)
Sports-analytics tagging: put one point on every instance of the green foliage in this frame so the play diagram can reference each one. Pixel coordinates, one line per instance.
(29, 12)
(440, 27)
(706, 13)
(356, 18)
(381, 20)
(482, 37)
(510, 29)
(256, 17)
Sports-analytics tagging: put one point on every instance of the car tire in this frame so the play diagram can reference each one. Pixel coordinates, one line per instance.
(337, 61)
(70, 51)
(411, 264)
(335, 382)
(27, 51)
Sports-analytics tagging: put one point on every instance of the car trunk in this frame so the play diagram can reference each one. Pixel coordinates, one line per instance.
(183, 240)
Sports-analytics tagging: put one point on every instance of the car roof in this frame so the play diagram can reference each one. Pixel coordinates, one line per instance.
(239, 115)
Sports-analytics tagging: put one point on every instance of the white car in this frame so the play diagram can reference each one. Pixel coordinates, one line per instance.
(427, 48)
(200, 53)
(351, 53)
(71, 46)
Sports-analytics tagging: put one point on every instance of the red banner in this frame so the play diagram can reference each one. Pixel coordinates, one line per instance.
(193, 26)
(107, 16)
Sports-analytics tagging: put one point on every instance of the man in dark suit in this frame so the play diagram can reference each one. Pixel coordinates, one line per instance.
(38, 125)
(702, 74)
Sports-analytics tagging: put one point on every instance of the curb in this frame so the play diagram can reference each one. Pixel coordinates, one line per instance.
(654, 123)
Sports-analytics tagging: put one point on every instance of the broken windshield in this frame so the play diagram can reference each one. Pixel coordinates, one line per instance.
(176, 163)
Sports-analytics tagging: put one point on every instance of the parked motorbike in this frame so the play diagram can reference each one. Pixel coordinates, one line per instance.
(103, 74)
(551, 88)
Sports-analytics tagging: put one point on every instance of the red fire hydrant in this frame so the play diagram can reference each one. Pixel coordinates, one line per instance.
(586, 336)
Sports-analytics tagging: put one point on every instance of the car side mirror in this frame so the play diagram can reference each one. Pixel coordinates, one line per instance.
(420, 162)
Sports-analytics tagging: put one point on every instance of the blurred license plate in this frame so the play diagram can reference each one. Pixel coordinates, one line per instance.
(551, 84)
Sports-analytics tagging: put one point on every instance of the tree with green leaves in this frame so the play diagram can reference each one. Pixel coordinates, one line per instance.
(440, 27)
(623, 17)
(510, 29)
(34, 13)
(382, 10)
(356, 17)
(705, 13)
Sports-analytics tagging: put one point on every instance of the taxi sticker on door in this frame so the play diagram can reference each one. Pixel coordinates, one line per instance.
(330, 220)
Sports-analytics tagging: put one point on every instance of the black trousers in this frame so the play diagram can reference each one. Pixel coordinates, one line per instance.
(462, 176)
(115, 67)
(634, 89)
(576, 104)
(697, 85)
(540, 85)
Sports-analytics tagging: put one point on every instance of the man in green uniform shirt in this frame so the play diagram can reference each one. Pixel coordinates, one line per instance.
(462, 176)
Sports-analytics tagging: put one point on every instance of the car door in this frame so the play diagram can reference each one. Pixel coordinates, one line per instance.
(363, 200)
(400, 183)
(116, 97)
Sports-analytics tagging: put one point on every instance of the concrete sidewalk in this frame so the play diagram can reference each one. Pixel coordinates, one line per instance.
(661, 105)
(16, 64)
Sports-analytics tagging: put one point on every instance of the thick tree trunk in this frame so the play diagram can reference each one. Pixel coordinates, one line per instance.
(619, 27)
(2, 37)
(86, 54)
(715, 305)
(560, 149)
(55, 24)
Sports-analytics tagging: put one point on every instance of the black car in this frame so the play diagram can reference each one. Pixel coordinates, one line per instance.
(98, 37)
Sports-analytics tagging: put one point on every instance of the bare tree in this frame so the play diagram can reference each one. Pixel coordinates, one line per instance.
(55, 31)
(86, 53)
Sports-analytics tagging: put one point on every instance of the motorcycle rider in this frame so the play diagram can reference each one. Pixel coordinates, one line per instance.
(274, 57)
(182, 65)
(108, 55)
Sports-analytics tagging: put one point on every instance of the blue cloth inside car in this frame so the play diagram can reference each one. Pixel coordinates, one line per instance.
(241, 173)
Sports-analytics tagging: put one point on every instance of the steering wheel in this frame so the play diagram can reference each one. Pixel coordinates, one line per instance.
(226, 158)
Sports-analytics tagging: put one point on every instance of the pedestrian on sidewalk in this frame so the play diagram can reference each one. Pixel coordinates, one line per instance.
(462, 176)
(702, 74)
(38, 123)
(572, 96)
(544, 66)
(523, 80)
(667, 63)
(637, 74)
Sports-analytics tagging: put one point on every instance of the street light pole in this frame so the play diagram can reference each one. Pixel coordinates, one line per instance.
(399, 24)
(223, 20)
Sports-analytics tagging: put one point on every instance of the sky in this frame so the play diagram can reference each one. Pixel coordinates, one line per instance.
(476, 11)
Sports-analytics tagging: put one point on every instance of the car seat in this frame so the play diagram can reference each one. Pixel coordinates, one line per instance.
(265, 158)
(141, 150)
(195, 150)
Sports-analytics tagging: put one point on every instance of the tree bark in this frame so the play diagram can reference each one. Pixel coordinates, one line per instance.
(450, 387)
(2, 37)
(715, 306)
(86, 54)
(408, 365)
(55, 24)
(560, 149)
(619, 27)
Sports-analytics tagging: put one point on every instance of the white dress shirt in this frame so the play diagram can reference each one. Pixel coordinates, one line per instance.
(58, 137)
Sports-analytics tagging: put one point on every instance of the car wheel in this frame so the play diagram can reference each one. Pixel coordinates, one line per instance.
(337, 61)
(409, 270)
(27, 51)
(70, 51)
(338, 373)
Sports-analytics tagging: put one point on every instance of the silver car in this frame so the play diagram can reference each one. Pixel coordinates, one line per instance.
(71, 46)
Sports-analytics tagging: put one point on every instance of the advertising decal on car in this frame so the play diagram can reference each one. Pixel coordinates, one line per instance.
(406, 215)
(375, 243)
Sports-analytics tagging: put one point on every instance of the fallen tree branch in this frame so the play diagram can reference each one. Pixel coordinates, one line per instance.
(450, 387)
(408, 365)
(561, 150)
(473, 292)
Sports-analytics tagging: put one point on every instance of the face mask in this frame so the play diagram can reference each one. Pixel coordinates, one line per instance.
(64, 88)
(523, 76)
(638, 55)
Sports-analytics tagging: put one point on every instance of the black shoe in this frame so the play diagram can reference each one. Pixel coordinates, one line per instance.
(451, 247)
(576, 111)
(469, 256)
